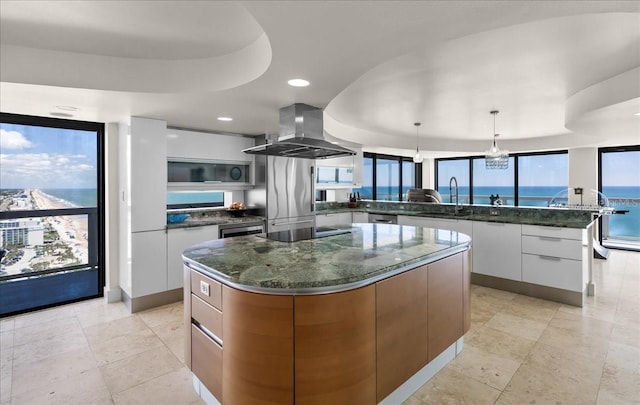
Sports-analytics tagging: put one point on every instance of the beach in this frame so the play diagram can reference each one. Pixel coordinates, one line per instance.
(72, 230)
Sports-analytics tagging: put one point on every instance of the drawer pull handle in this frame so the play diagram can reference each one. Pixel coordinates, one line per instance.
(553, 258)
(549, 238)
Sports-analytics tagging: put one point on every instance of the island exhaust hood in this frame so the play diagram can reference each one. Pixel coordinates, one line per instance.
(301, 136)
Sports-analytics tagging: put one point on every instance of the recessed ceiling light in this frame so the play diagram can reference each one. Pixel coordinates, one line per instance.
(61, 115)
(225, 119)
(638, 113)
(67, 108)
(298, 83)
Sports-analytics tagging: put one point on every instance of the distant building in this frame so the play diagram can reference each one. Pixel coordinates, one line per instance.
(27, 231)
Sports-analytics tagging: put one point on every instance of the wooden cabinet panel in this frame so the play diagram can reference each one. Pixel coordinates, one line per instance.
(214, 297)
(206, 361)
(401, 329)
(466, 291)
(258, 348)
(187, 316)
(335, 348)
(445, 303)
(207, 316)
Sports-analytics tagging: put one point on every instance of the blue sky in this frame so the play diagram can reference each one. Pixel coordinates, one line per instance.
(39, 157)
(621, 169)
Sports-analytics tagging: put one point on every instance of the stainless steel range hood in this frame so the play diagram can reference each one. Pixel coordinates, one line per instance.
(301, 136)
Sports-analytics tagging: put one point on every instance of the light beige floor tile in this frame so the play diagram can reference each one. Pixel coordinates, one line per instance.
(488, 368)
(516, 325)
(451, 387)
(121, 347)
(48, 371)
(619, 386)
(413, 400)
(628, 313)
(176, 345)
(165, 314)
(6, 339)
(624, 357)
(46, 329)
(6, 381)
(85, 388)
(99, 314)
(528, 310)
(501, 343)
(6, 324)
(626, 334)
(172, 388)
(582, 325)
(49, 346)
(131, 371)
(116, 328)
(169, 330)
(551, 375)
(44, 315)
(574, 341)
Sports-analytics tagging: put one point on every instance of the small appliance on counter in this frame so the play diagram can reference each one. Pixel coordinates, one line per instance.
(425, 195)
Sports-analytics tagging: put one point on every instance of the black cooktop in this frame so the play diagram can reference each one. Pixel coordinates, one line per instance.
(294, 235)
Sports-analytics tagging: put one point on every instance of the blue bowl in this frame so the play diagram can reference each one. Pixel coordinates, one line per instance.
(177, 218)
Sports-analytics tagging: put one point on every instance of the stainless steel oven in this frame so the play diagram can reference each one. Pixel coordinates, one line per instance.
(240, 229)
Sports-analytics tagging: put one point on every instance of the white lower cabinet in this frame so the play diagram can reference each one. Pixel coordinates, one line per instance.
(553, 256)
(360, 217)
(148, 263)
(497, 249)
(457, 225)
(552, 271)
(179, 239)
(331, 219)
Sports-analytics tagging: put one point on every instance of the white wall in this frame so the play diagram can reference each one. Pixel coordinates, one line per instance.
(112, 222)
(583, 172)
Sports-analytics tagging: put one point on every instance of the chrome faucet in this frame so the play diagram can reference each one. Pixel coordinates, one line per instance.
(458, 208)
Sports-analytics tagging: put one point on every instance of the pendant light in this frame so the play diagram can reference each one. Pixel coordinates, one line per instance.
(496, 158)
(417, 157)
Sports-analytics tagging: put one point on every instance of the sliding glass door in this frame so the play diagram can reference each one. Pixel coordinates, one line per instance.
(620, 183)
(51, 212)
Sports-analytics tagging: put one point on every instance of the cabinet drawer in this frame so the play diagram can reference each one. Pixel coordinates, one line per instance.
(206, 361)
(552, 231)
(207, 316)
(553, 272)
(551, 246)
(200, 283)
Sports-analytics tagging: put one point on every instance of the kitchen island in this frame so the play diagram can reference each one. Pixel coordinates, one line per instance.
(363, 317)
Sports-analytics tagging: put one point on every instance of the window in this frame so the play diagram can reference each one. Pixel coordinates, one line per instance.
(540, 177)
(499, 183)
(620, 183)
(531, 179)
(388, 178)
(194, 199)
(458, 168)
(51, 212)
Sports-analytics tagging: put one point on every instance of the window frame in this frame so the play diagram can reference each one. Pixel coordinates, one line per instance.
(515, 171)
(99, 211)
(400, 159)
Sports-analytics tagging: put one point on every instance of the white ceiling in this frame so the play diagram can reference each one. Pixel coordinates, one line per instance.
(562, 73)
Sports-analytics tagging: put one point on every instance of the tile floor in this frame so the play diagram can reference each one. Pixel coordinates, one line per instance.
(519, 350)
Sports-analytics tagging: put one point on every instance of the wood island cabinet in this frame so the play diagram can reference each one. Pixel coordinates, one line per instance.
(401, 329)
(349, 347)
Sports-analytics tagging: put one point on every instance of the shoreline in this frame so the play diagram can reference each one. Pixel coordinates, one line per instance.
(71, 229)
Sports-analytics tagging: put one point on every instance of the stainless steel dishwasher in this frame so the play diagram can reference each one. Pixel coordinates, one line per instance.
(383, 219)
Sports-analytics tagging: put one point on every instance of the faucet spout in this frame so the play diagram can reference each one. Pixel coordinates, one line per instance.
(457, 208)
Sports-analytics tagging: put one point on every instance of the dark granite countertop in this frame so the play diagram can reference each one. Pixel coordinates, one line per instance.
(335, 263)
(558, 217)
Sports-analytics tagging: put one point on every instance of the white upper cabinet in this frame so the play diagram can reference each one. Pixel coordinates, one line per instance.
(208, 146)
(146, 164)
(347, 169)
